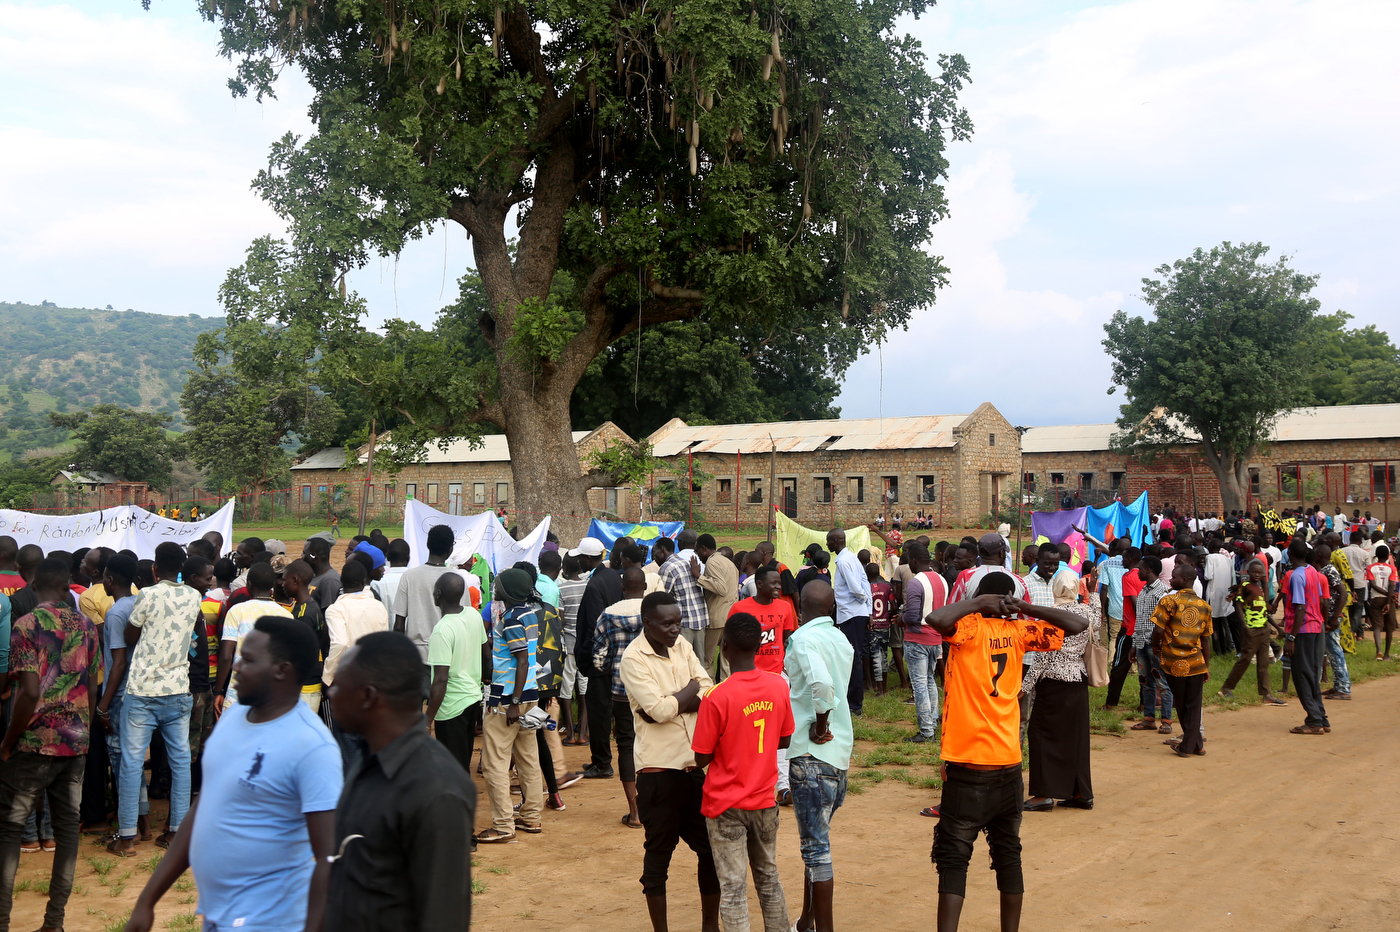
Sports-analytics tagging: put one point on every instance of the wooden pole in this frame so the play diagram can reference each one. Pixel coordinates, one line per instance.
(689, 488)
(772, 483)
(369, 473)
(738, 483)
(1020, 508)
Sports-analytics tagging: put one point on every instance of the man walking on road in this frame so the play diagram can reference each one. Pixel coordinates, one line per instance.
(854, 602)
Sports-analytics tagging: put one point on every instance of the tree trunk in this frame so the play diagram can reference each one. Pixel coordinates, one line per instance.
(544, 459)
(1232, 472)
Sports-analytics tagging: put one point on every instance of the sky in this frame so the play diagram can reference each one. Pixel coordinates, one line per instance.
(1110, 138)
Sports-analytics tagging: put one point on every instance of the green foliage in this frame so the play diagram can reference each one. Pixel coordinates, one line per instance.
(61, 359)
(251, 393)
(627, 464)
(1350, 367)
(672, 503)
(770, 171)
(131, 444)
(1208, 367)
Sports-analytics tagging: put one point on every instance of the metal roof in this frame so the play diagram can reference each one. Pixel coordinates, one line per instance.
(1328, 422)
(329, 458)
(96, 477)
(891, 433)
(494, 449)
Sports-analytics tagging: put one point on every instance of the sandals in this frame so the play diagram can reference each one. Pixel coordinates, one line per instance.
(529, 828)
(1146, 724)
(164, 839)
(1274, 700)
(1307, 730)
(112, 849)
(493, 837)
(627, 821)
(931, 811)
(1165, 728)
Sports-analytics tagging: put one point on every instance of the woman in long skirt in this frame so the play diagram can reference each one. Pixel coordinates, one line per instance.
(1059, 725)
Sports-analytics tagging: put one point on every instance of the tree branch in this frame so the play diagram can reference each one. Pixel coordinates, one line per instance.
(678, 294)
(596, 479)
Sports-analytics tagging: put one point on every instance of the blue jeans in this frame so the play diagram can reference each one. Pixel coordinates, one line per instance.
(818, 790)
(1153, 685)
(114, 755)
(921, 659)
(1341, 677)
(141, 716)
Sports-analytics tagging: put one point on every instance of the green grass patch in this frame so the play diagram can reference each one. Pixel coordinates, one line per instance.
(102, 866)
(151, 863)
(499, 869)
(186, 881)
(116, 925)
(183, 922)
(478, 888)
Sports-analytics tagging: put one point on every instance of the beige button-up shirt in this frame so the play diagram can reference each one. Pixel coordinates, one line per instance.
(348, 619)
(720, 580)
(651, 681)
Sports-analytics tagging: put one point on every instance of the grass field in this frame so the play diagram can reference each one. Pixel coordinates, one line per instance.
(881, 752)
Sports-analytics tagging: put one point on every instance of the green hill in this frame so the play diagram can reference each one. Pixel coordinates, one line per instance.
(61, 359)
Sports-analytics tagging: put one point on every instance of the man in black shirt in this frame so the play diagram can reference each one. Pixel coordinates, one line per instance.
(296, 582)
(603, 589)
(403, 828)
(198, 574)
(25, 601)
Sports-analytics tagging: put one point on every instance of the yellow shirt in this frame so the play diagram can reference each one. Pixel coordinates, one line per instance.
(651, 680)
(94, 603)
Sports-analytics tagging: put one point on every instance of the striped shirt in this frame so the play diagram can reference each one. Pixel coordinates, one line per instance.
(618, 627)
(570, 596)
(675, 575)
(1147, 604)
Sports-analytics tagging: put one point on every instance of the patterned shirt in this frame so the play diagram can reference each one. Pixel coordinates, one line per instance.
(1067, 663)
(675, 575)
(1185, 620)
(1147, 604)
(618, 626)
(513, 630)
(58, 645)
(570, 596)
(160, 663)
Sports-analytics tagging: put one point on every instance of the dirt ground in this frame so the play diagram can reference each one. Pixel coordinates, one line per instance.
(1268, 830)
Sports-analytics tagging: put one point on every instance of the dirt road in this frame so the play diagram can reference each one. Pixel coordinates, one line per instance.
(1268, 831)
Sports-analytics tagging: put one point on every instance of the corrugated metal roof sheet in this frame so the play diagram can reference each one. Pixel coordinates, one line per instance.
(1337, 422)
(329, 458)
(891, 433)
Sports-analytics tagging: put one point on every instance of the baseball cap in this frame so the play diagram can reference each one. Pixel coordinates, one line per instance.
(991, 541)
(374, 552)
(274, 546)
(589, 546)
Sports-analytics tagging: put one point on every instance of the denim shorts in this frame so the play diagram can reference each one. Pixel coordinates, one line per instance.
(818, 790)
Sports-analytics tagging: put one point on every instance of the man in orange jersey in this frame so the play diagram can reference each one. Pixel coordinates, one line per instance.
(986, 637)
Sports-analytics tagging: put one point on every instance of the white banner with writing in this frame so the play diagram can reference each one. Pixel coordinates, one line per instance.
(481, 534)
(124, 527)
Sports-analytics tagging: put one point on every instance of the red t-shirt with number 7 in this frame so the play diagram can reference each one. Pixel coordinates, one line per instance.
(981, 716)
(741, 721)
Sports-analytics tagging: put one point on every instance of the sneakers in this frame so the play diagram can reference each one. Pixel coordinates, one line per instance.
(555, 801)
(918, 738)
(569, 780)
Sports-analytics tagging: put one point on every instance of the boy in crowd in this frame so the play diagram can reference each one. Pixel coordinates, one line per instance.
(987, 636)
(456, 652)
(1380, 607)
(743, 722)
(879, 642)
(296, 582)
(778, 621)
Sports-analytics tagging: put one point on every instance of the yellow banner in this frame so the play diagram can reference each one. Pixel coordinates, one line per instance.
(791, 538)
(1270, 521)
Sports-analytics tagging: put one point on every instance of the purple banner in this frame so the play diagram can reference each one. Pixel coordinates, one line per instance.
(1057, 527)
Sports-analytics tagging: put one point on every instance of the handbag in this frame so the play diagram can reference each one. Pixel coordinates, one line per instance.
(1096, 662)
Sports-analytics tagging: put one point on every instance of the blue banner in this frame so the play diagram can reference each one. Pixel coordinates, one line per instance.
(1119, 520)
(644, 533)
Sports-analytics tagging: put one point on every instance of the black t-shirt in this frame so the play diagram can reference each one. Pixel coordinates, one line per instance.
(199, 656)
(310, 613)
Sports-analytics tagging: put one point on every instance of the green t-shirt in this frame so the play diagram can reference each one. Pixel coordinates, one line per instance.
(456, 644)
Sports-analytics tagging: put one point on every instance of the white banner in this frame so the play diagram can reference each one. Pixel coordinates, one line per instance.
(481, 534)
(125, 527)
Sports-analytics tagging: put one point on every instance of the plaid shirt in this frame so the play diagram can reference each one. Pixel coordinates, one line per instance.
(1147, 604)
(618, 626)
(675, 575)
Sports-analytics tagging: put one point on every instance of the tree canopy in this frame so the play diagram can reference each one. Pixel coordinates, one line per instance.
(1219, 362)
(130, 444)
(761, 168)
(1357, 366)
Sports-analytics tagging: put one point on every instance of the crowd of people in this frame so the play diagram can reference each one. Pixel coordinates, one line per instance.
(315, 730)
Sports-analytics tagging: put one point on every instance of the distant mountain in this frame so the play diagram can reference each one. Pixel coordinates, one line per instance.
(60, 358)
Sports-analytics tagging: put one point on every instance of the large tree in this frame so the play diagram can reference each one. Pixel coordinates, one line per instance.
(1351, 366)
(753, 165)
(130, 444)
(1219, 362)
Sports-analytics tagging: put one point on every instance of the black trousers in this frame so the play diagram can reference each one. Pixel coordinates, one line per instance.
(1186, 696)
(1118, 675)
(669, 804)
(974, 800)
(855, 631)
(626, 729)
(458, 734)
(1307, 675)
(599, 704)
(1059, 737)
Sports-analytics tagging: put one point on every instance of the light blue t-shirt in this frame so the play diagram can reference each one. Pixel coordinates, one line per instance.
(514, 629)
(250, 850)
(548, 589)
(114, 637)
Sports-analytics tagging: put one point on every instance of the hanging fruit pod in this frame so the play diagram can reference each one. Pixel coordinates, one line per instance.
(736, 135)
(459, 69)
(767, 66)
(707, 100)
(806, 209)
(692, 133)
(442, 85)
(777, 51)
(694, 162)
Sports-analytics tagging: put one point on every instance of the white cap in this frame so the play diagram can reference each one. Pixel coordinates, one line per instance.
(589, 546)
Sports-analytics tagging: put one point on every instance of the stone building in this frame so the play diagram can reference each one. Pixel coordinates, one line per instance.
(842, 472)
(459, 480)
(98, 489)
(1341, 455)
